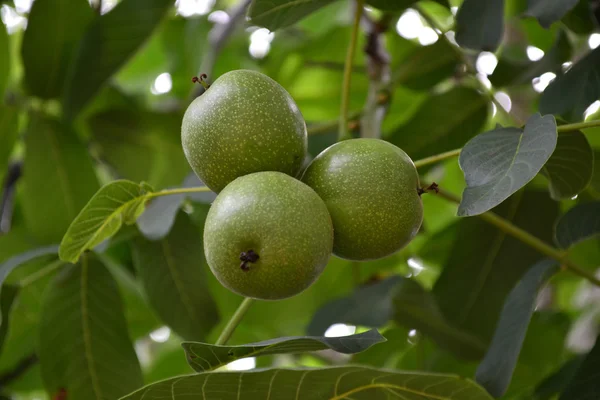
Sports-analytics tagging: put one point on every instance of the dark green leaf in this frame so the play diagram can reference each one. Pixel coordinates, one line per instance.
(570, 167)
(415, 308)
(578, 224)
(558, 381)
(368, 306)
(581, 19)
(141, 146)
(46, 57)
(498, 163)
(472, 287)
(463, 112)
(9, 265)
(495, 371)
(59, 170)
(426, 66)
(174, 281)
(117, 202)
(509, 72)
(549, 11)
(570, 95)
(9, 119)
(480, 24)
(358, 383)
(275, 14)
(84, 343)
(585, 385)
(207, 357)
(4, 59)
(7, 297)
(107, 44)
(398, 5)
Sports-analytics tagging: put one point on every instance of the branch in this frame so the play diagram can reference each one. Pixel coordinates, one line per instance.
(343, 122)
(217, 37)
(528, 239)
(8, 196)
(380, 78)
(18, 370)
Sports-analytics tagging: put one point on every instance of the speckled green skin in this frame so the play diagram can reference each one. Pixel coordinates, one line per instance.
(370, 188)
(279, 218)
(245, 122)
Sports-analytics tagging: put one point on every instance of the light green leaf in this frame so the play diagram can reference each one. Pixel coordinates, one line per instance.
(4, 59)
(46, 56)
(207, 357)
(358, 383)
(571, 166)
(84, 345)
(275, 14)
(59, 170)
(498, 163)
(174, 279)
(108, 43)
(464, 112)
(117, 202)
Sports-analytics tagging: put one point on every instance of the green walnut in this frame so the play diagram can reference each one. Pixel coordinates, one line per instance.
(245, 122)
(371, 189)
(267, 236)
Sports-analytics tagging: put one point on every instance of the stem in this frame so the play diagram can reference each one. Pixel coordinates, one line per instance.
(530, 240)
(438, 157)
(577, 126)
(343, 124)
(48, 269)
(236, 318)
(356, 276)
(168, 192)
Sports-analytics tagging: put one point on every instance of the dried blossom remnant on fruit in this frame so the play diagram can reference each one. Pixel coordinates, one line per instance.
(248, 257)
(60, 395)
(201, 80)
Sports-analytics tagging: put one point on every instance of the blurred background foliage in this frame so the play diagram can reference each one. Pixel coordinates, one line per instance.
(87, 100)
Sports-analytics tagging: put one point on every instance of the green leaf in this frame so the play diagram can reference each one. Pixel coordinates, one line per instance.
(498, 163)
(117, 202)
(46, 57)
(547, 12)
(7, 297)
(585, 384)
(9, 124)
(570, 95)
(511, 72)
(84, 345)
(426, 66)
(475, 280)
(570, 167)
(141, 146)
(4, 59)
(464, 112)
(174, 280)
(275, 14)
(369, 305)
(204, 357)
(579, 223)
(398, 5)
(359, 383)
(9, 265)
(581, 18)
(107, 44)
(59, 170)
(495, 371)
(480, 24)
(559, 380)
(414, 308)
